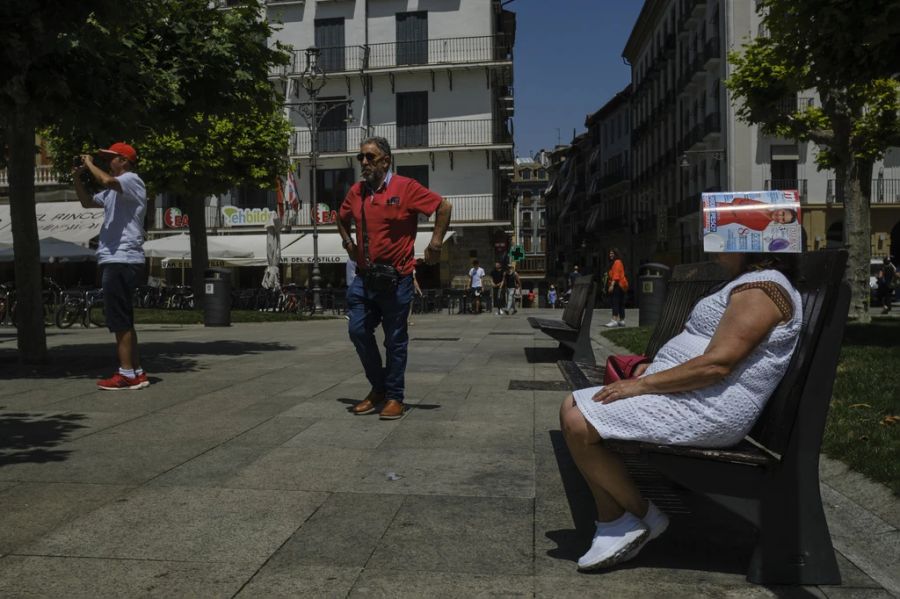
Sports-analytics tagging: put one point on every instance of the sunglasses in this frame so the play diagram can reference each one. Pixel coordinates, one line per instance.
(367, 156)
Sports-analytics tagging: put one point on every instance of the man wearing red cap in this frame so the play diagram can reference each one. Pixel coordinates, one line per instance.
(120, 252)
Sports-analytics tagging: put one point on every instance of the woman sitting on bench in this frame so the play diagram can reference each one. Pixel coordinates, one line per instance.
(705, 388)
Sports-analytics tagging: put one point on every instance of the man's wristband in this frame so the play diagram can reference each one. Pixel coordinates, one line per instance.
(347, 243)
(435, 248)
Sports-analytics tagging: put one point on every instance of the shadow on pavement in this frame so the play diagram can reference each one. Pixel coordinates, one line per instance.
(96, 360)
(409, 407)
(31, 437)
(543, 355)
(701, 535)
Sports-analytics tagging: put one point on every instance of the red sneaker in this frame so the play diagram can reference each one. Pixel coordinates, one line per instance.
(117, 382)
(142, 379)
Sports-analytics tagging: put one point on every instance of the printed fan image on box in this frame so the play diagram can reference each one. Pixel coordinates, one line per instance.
(752, 221)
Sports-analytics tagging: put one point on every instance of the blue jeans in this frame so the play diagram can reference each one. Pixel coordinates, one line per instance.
(367, 310)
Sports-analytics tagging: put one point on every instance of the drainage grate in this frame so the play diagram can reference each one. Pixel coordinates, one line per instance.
(435, 338)
(517, 385)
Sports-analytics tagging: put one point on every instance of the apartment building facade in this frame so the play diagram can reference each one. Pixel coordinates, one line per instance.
(527, 189)
(687, 140)
(435, 79)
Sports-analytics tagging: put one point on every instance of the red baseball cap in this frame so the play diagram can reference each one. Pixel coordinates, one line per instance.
(121, 148)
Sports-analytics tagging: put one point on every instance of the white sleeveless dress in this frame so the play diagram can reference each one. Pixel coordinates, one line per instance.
(719, 415)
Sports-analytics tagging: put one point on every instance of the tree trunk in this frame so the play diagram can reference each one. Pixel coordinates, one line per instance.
(199, 251)
(32, 340)
(858, 236)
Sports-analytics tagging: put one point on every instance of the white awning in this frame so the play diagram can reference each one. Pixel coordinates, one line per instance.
(53, 250)
(250, 250)
(65, 221)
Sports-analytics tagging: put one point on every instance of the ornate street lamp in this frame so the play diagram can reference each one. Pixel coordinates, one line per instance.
(313, 79)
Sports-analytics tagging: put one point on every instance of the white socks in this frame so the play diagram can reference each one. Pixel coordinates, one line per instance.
(613, 541)
(656, 521)
(622, 539)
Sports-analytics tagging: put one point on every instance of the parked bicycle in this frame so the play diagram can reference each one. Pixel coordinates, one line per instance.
(7, 302)
(83, 306)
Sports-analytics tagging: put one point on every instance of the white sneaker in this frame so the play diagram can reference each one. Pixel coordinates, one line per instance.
(621, 323)
(611, 323)
(613, 541)
(657, 522)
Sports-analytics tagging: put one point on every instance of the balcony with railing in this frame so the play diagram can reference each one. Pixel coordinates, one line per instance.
(485, 49)
(446, 51)
(793, 104)
(457, 133)
(43, 176)
(884, 191)
(785, 184)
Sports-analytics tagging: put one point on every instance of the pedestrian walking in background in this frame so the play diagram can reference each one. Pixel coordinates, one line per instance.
(120, 252)
(887, 281)
(497, 297)
(386, 209)
(476, 275)
(513, 285)
(552, 296)
(616, 286)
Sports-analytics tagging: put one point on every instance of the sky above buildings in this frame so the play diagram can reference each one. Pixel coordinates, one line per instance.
(568, 63)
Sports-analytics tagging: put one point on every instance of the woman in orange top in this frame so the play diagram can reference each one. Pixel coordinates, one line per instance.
(617, 285)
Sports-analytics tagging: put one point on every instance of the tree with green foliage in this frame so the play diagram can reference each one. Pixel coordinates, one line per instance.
(847, 53)
(89, 73)
(62, 62)
(226, 126)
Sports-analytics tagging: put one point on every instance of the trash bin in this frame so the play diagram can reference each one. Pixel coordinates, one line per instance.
(217, 297)
(653, 280)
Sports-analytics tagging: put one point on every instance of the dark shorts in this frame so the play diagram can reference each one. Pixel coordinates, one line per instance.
(119, 280)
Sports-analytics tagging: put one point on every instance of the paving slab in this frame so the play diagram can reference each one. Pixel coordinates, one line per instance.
(240, 472)
(477, 535)
(39, 577)
(185, 524)
(327, 582)
(31, 510)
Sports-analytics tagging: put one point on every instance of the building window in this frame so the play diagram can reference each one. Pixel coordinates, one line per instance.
(525, 174)
(412, 37)
(526, 198)
(526, 242)
(333, 129)
(526, 219)
(329, 36)
(542, 173)
(332, 185)
(412, 119)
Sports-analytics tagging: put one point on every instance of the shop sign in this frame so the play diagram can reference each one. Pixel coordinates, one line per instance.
(175, 219)
(233, 216)
(324, 214)
(309, 260)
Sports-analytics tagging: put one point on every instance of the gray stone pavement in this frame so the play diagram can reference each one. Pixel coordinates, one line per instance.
(240, 473)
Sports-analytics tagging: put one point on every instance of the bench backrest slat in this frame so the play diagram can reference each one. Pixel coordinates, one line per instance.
(824, 295)
(574, 311)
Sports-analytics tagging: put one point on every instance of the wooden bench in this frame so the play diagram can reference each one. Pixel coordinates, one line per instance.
(771, 478)
(573, 331)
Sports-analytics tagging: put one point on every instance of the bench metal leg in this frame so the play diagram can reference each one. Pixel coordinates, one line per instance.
(794, 545)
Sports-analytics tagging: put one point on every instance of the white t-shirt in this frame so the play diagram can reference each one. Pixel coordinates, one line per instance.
(122, 234)
(476, 274)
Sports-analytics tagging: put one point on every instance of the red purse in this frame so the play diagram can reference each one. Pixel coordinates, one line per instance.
(622, 367)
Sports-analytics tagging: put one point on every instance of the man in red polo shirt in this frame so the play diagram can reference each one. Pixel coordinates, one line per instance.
(386, 209)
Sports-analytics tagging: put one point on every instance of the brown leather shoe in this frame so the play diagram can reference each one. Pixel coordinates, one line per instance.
(392, 410)
(370, 404)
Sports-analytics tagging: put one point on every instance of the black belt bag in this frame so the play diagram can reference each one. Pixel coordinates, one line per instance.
(381, 277)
